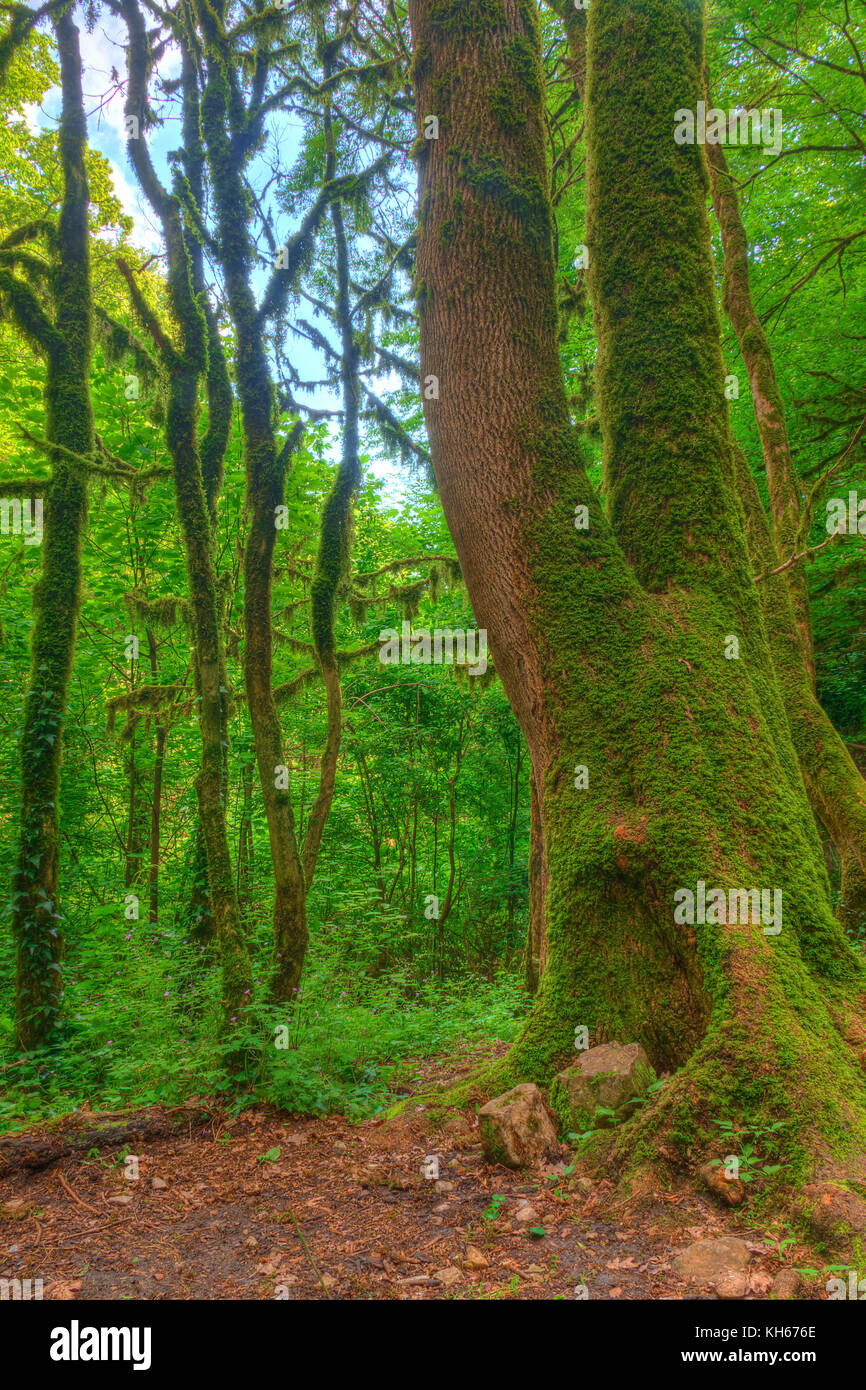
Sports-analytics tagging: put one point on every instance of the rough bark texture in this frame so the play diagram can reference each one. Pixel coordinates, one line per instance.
(611, 642)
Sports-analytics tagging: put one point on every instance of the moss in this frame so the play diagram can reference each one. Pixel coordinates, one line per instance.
(506, 108)
(694, 774)
(66, 342)
(522, 195)
(466, 19)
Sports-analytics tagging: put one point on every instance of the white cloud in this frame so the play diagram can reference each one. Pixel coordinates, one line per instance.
(145, 232)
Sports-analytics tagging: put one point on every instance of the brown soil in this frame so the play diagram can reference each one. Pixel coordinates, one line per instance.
(344, 1212)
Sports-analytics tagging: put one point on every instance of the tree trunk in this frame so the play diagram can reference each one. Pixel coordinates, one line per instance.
(612, 633)
(766, 397)
(265, 468)
(836, 789)
(184, 369)
(68, 423)
(535, 940)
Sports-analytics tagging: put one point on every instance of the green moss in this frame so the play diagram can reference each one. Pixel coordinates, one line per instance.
(466, 18)
(524, 196)
(506, 109)
(694, 774)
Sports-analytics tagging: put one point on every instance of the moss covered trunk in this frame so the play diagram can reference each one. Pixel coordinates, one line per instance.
(836, 788)
(36, 915)
(630, 642)
(265, 468)
(184, 368)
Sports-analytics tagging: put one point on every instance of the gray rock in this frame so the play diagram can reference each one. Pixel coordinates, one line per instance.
(516, 1129)
(835, 1215)
(713, 1263)
(611, 1076)
(787, 1284)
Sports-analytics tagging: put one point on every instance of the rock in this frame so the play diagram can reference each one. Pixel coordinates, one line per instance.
(584, 1185)
(610, 1076)
(448, 1276)
(733, 1285)
(516, 1129)
(760, 1283)
(123, 1201)
(158, 1183)
(835, 1215)
(474, 1259)
(711, 1262)
(527, 1215)
(442, 1186)
(787, 1284)
(731, 1190)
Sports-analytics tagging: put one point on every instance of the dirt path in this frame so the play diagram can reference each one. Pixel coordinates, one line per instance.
(262, 1206)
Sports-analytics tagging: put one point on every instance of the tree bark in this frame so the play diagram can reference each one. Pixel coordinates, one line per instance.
(766, 398)
(612, 638)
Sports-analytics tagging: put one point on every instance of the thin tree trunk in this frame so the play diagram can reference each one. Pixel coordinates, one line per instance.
(837, 791)
(184, 370)
(766, 397)
(36, 914)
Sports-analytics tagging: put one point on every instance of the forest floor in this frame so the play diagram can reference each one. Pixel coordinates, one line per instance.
(262, 1206)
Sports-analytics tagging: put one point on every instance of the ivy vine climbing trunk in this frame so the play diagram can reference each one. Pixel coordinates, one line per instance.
(66, 345)
(630, 641)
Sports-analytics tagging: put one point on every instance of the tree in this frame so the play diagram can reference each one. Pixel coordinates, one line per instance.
(197, 466)
(62, 334)
(630, 639)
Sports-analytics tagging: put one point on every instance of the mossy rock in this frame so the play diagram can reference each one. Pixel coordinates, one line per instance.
(610, 1077)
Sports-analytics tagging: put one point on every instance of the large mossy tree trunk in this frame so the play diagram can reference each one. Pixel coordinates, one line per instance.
(614, 639)
(66, 344)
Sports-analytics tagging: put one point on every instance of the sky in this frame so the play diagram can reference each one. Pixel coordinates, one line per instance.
(102, 51)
